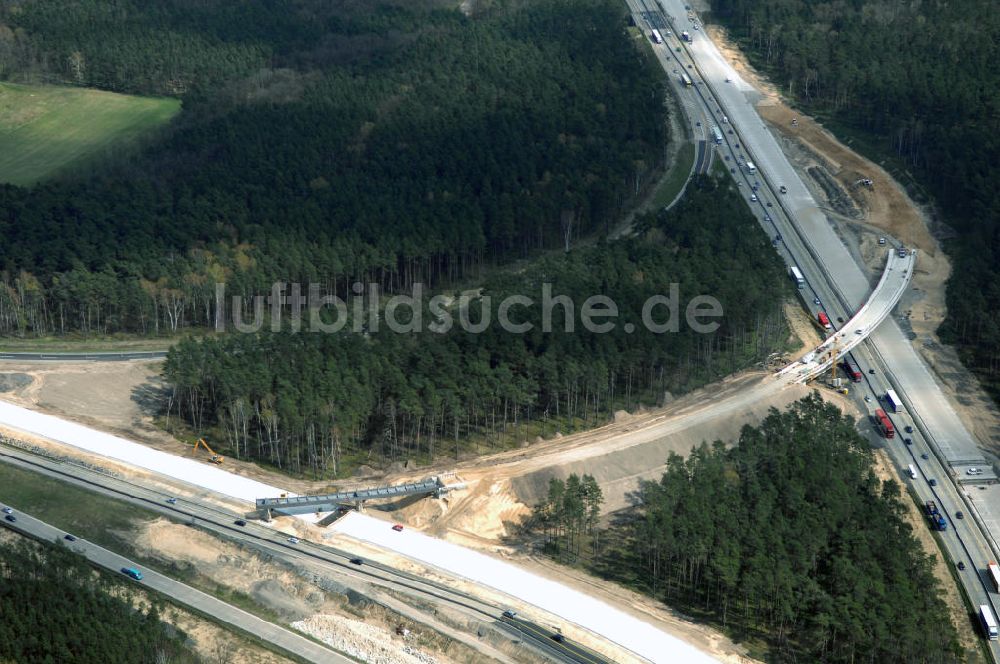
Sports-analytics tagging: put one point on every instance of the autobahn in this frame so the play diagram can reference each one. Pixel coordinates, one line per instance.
(837, 284)
(281, 638)
(320, 558)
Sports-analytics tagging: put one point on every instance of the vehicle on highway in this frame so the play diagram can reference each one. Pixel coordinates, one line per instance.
(871, 371)
(509, 613)
(961, 565)
(924, 456)
(732, 169)
(974, 471)
(769, 204)
(868, 399)
(10, 517)
(240, 522)
(8, 510)
(293, 540)
(728, 80)
(730, 131)
(881, 240)
(815, 300)
(840, 319)
(783, 189)
(133, 573)
(767, 217)
(959, 515)
(69, 538)
(908, 428)
(558, 638)
(859, 331)
(398, 527)
(697, 124)
(357, 561)
(172, 501)
(753, 197)
(908, 441)
(988, 622)
(932, 482)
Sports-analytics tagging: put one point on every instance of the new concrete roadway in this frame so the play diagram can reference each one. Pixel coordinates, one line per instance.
(836, 283)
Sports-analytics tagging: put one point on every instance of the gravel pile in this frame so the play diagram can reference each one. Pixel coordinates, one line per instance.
(358, 639)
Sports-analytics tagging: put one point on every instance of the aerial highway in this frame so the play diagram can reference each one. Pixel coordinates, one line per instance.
(281, 638)
(322, 559)
(837, 285)
(85, 357)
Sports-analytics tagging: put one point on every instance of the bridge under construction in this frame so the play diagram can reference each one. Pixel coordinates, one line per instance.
(332, 502)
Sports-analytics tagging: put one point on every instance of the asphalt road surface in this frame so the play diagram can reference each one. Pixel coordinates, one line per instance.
(804, 237)
(185, 595)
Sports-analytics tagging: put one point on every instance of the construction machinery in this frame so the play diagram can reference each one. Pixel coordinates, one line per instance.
(215, 458)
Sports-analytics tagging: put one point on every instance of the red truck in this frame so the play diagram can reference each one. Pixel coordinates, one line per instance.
(824, 320)
(851, 370)
(884, 423)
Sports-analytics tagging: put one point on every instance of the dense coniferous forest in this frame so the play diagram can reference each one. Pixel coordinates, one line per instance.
(325, 402)
(393, 144)
(790, 537)
(920, 81)
(55, 608)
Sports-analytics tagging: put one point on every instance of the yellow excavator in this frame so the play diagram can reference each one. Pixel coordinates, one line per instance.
(215, 458)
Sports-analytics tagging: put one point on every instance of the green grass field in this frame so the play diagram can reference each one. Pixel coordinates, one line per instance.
(46, 129)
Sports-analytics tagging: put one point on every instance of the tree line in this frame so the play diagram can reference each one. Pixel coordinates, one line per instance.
(918, 82)
(455, 144)
(789, 538)
(325, 403)
(54, 608)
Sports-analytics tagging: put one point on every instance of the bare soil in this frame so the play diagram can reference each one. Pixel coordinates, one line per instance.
(885, 210)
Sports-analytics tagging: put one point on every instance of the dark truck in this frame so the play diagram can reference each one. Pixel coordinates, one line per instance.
(937, 520)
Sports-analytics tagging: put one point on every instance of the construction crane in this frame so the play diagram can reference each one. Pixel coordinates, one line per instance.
(215, 458)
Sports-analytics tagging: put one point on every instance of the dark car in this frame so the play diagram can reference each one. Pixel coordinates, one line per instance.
(840, 319)
(558, 638)
(961, 565)
(730, 131)
(908, 441)
(69, 538)
(398, 527)
(909, 429)
(240, 522)
(924, 456)
(959, 515)
(871, 371)
(932, 482)
(11, 518)
(769, 204)
(697, 124)
(357, 561)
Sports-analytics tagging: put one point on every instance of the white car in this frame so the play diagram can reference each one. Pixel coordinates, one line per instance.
(8, 510)
(753, 197)
(974, 471)
(868, 399)
(293, 540)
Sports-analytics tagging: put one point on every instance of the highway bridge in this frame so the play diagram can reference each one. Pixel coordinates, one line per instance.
(292, 505)
(894, 281)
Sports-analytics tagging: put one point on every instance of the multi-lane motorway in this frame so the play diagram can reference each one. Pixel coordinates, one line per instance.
(321, 559)
(835, 283)
(282, 638)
